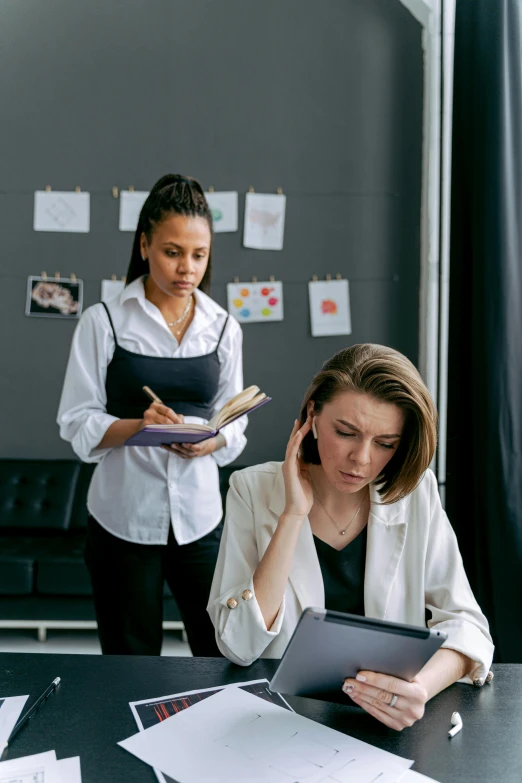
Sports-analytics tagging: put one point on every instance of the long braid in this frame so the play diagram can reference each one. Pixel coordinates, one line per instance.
(173, 194)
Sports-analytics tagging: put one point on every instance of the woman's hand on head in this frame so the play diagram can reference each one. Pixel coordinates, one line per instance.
(298, 488)
(160, 414)
(374, 693)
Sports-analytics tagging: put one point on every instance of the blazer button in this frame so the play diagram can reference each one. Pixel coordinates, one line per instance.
(490, 676)
(479, 682)
(231, 603)
(247, 595)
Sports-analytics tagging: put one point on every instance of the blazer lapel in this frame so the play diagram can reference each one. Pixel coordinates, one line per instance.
(305, 574)
(387, 529)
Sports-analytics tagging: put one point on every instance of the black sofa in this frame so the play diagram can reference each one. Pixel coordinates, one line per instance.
(44, 582)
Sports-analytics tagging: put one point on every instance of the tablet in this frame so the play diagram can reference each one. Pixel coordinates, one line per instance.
(326, 647)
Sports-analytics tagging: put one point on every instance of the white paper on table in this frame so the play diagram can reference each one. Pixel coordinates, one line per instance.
(234, 735)
(256, 302)
(223, 206)
(131, 202)
(61, 210)
(10, 710)
(40, 768)
(329, 307)
(70, 770)
(161, 704)
(111, 288)
(264, 221)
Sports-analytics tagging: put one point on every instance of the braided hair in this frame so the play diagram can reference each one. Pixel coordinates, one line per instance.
(173, 194)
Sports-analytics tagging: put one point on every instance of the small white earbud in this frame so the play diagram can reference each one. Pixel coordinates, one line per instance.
(314, 428)
(456, 722)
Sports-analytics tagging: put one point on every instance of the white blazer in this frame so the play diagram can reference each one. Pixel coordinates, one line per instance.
(412, 564)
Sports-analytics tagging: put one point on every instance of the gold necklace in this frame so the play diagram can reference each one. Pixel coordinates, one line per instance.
(341, 532)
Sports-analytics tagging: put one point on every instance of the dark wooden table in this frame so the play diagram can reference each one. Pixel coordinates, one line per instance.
(90, 713)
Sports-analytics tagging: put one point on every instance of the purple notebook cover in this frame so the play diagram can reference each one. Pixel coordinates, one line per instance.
(153, 437)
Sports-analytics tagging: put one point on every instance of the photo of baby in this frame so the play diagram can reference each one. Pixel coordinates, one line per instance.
(54, 298)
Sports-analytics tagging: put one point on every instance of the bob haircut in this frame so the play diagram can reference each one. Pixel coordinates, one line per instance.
(387, 376)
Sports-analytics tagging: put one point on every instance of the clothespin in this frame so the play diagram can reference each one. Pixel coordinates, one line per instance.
(73, 277)
(328, 277)
(124, 278)
(47, 188)
(56, 275)
(314, 278)
(279, 191)
(113, 277)
(236, 279)
(77, 189)
(115, 192)
(44, 275)
(131, 188)
(211, 188)
(272, 279)
(338, 276)
(251, 189)
(254, 279)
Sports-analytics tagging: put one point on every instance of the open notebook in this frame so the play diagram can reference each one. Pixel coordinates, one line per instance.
(163, 434)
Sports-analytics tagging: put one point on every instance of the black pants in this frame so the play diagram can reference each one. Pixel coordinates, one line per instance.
(128, 579)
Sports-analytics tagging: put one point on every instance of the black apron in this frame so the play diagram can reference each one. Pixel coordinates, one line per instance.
(187, 385)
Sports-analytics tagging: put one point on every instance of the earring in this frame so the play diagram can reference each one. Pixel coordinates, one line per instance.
(314, 428)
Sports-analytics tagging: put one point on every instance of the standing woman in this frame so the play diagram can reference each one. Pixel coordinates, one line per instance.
(155, 512)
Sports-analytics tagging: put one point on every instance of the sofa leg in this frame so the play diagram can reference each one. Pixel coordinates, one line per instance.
(42, 634)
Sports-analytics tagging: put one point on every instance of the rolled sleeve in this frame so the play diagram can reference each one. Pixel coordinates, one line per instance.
(82, 415)
(241, 633)
(230, 384)
(449, 596)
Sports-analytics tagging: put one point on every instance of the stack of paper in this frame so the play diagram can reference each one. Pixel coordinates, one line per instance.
(235, 735)
(41, 768)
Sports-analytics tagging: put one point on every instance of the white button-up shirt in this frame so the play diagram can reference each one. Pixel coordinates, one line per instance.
(137, 492)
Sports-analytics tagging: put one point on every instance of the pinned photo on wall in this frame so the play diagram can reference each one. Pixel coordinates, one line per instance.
(131, 202)
(256, 302)
(61, 211)
(223, 206)
(264, 221)
(54, 297)
(110, 289)
(329, 307)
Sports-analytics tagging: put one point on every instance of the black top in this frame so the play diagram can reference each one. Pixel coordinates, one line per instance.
(188, 385)
(343, 574)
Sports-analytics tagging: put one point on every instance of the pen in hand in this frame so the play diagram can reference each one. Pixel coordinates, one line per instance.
(154, 397)
(31, 711)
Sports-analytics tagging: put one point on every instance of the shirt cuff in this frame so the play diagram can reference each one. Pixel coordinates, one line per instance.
(235, 443)
(90, 434)
(466, 638)
(241, 633)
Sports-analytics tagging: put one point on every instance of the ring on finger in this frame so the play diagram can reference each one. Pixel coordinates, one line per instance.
(393, 701)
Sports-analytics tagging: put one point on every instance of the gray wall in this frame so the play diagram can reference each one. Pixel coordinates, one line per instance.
(321, 98)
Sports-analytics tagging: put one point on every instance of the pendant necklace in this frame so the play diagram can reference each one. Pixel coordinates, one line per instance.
(341, 532)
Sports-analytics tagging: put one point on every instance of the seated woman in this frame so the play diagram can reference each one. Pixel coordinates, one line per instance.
(351, 521)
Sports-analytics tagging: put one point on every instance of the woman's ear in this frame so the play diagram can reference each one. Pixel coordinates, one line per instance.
(143, 246)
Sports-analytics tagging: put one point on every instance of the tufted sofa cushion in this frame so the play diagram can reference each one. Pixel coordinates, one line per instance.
(37, 495)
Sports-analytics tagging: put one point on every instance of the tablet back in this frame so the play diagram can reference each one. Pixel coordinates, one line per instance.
(327, 647)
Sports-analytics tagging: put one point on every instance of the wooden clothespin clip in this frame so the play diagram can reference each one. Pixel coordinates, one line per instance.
(115, 192)
(77, 189)
(338, 276)
(211, 188)
(131, 188)
(124, 278)
(47, 188)
(271, 279)
(314, 278)
(279, 191)
(56, 275)
(113, 277)
(44, 275)
(328, 277)
(251, 189)
(73, 277)
(254, 279)
(236, 279)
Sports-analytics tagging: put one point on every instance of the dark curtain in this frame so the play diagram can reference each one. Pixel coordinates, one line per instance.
(484, 470)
